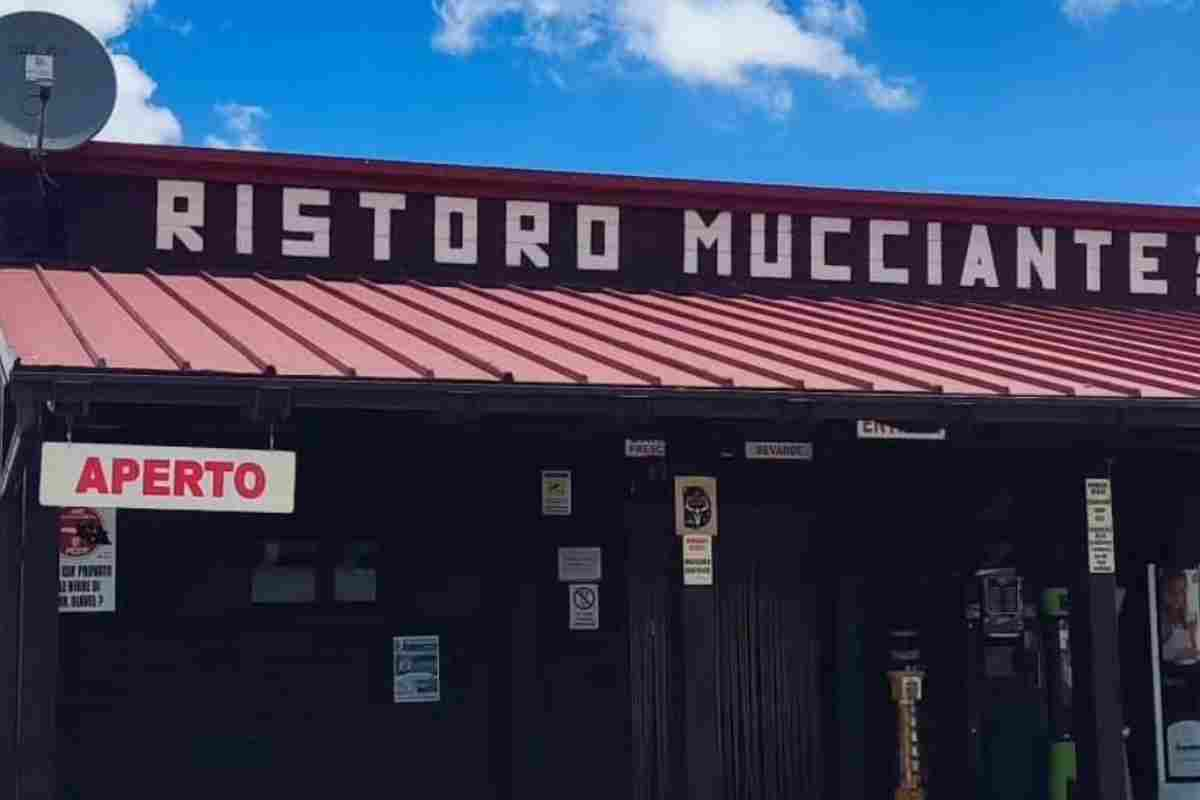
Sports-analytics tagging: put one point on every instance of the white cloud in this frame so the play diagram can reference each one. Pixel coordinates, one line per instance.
(242, 126)
(1089, 11)
(107, 19)
(135, 118)
(752, 46)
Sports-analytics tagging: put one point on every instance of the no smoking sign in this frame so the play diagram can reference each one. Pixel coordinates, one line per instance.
(584, 602)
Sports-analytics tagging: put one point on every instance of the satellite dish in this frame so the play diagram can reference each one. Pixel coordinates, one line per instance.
(57, 83)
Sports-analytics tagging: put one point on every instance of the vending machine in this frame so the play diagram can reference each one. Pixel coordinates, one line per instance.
(1175, 644)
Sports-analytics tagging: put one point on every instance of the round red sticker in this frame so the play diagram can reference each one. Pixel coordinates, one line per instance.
(80, 532)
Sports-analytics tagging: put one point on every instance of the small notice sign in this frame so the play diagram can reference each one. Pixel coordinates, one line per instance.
(697, 561)
(1102, 556)
(576, 564)
(1098, 490)
(416, 669)
(645, 448)
(87, 560)
(779, 451)
(695, 505)
(556, 493)
(872, 429)
(584, 602)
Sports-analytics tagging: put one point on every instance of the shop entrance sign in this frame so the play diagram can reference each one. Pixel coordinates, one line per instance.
(170, 478)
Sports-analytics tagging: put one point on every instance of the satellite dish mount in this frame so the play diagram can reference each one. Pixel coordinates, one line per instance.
(58, 87)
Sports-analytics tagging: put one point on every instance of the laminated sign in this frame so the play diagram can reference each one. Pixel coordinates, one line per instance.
(87, 560)
(416, 669)
(1102, 555)
(556, 493)
(695, 506)
(697, 561)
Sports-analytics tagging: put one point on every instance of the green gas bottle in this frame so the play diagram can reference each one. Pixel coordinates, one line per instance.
(1056, 619)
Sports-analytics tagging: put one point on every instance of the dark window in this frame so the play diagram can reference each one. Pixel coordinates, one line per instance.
(286, 572)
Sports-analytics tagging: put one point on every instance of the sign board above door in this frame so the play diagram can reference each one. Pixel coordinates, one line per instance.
(169, 478)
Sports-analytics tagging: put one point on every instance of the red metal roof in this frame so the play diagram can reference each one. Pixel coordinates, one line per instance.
(310, 327)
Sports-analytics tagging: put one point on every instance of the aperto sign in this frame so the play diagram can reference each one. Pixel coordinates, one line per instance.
(168, 478)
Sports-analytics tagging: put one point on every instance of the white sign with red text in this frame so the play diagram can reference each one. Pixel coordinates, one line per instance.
(170, 478)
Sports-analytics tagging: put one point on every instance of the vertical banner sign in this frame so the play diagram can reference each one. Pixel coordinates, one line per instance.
(556, 493)
(584, 604)
(416, 669)
(1102, 556)
(695, 506)
(697, 560)
(87, 560)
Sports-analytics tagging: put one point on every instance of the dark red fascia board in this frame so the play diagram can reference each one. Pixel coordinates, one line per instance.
(113, 159)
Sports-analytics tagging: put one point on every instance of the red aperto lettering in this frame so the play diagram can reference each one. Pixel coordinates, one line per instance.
(183, 478)
(188, 475)
(155, 476)
(218, 470)
(124, 470)
(91, 478)
(242, 481)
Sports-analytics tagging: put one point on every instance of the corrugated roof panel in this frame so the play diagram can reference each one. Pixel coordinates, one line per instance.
(308, 327)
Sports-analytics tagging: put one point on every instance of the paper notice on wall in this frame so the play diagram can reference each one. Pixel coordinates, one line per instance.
(695, 505)
(1102, 555)
(556, 493)
(579, 564)
(416, 669)
(87, 560)
(583, 601)
(697, 561)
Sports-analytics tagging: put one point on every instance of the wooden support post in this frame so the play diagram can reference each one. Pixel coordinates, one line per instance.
(1097, 715)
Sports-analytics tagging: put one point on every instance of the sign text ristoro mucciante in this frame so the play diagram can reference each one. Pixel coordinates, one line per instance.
(169, 478)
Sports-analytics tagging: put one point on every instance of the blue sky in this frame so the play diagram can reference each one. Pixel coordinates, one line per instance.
(1093, 99)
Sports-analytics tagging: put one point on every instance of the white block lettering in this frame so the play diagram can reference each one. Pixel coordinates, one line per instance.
(1141, 266)
(317, 228)
(180, 213)
(781, 267)
(608, 220)
(444, 251)
(980, 263)
(245, 219)
(821, 270)
(527, 232)
(1093, 241)
(1031, 259)
(934, 250)
(697, 234)
(384, 203)
(880, 272)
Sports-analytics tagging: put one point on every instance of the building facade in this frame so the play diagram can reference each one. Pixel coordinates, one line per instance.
(484, 482)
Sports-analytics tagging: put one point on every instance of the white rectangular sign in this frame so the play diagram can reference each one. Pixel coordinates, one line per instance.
(170, 478)
(556, 493)
(871, 429)
(779, 451)
(697, 561)
(416, 669)
(645, 448)
(584, 602)
(577, 564)
(1102, 559)
(87, 560)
